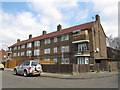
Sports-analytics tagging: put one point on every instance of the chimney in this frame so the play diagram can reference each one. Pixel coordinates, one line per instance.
(59, 27)
(44, 32)
(30, 36)
(18, 40)
(97, 18)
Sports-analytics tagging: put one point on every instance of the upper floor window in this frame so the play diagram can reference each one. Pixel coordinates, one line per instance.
(37, 52)
(47, 51)
(18, 47)
(36, 43)
(23, 46)
(10, 48)
(29, 45)
(65, 49)
(14, 54)
(29, 53)
(15, 47)
(55, 39)
(82, 47)
(47, 41)
(65, 37)
(55, 50)
(22, 53)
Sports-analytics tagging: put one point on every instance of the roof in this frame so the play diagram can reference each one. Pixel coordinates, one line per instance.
(56, 33)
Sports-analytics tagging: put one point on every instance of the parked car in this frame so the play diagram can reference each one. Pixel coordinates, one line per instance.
(28, 68)
(1, 66)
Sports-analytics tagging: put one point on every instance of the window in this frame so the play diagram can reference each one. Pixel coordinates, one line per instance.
(46, 51)
(47, 59)
(55, 50)
(29, 45)
(18, 54)
(37, 52)
(18, 47)
(10, 49)
(82, 60)
(47, 41)
(82, 47)
(23, 46)
(15, 54)
(15, 47)
(55, 39)
(29, 53)
(55, 59)
(65, 61)
(65, 37)
(26, 63)
(36, 43)
(22, 53)
(65, 49)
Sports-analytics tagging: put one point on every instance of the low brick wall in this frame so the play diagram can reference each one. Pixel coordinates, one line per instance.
(66, 68)
(58, 68)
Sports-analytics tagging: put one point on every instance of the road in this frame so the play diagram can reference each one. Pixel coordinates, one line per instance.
(15, 81)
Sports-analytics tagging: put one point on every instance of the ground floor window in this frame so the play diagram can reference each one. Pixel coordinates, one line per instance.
(82, 60)
(47, 59)
(65, 61)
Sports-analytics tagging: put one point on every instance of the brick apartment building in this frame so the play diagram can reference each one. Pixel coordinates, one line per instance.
(81, 44)
(3, 55)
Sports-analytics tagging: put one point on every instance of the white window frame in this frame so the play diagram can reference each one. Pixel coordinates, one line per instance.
(82, 60)
(29, 45)
(22, 53)
(36, 52)
(47, 41)
(47, 51)
(23, 46)
(36, 43)
(47, 59)
(29, 53)
(55, 39)
(65, 37)
(15, 48)
(55, 50)
(82, 47)
(55, 59)
(18, 47)
(65, 49)
(18, 53)
(14, 54)
(65, 61)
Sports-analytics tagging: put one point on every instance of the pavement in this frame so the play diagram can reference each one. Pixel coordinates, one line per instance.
(89, 75)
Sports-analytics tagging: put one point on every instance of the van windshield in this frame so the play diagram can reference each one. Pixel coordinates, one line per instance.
(35, 63)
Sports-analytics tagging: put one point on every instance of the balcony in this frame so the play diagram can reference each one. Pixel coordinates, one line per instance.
(80, 38)
(82, 53)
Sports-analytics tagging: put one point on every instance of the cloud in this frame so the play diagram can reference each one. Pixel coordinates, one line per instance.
(108, 10)
(18, 26)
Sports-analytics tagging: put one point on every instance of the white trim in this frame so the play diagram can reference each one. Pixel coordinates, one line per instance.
(80, 41)
(82, 55)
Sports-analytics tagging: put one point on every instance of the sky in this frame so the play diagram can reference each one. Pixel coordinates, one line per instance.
(18, 18)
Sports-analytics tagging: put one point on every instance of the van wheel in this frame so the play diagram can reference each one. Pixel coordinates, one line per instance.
(15, 72)
(25, 74)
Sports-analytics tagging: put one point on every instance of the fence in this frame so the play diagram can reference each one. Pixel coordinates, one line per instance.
(13, 63)
(58, 68)
(66, 68)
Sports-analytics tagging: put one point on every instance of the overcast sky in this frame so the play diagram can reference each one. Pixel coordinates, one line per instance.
(19, 19)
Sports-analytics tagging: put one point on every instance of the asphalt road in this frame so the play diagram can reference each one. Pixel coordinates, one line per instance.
(14, 81)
